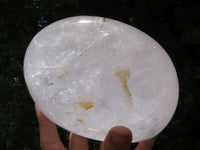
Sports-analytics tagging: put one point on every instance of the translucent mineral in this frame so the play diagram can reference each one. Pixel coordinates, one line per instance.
(88, 74)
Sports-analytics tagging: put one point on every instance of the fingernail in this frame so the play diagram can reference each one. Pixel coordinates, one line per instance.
(120, 139)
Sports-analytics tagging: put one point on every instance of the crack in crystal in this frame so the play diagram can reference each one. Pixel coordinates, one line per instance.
(123, 76)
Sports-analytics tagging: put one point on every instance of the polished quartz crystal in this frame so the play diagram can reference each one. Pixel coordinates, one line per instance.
(88, 74)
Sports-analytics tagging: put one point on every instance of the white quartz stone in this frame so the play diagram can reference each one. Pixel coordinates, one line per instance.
(88, 74)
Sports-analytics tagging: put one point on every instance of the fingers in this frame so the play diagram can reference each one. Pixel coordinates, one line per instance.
(118, 138)
(146, 145)
(49, 138)
(77, 142)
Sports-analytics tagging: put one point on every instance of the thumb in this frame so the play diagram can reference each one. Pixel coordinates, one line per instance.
(118, 138)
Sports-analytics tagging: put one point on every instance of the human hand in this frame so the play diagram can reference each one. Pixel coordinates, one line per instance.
(118, 138)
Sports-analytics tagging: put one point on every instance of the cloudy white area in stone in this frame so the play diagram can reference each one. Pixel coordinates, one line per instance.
(88, 74)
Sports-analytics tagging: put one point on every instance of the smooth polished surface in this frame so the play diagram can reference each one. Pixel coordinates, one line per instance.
(88, 74)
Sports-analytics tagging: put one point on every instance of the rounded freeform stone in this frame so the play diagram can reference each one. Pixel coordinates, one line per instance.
(88, 74)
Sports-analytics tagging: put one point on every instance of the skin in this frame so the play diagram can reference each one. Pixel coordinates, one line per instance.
(118, 138)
